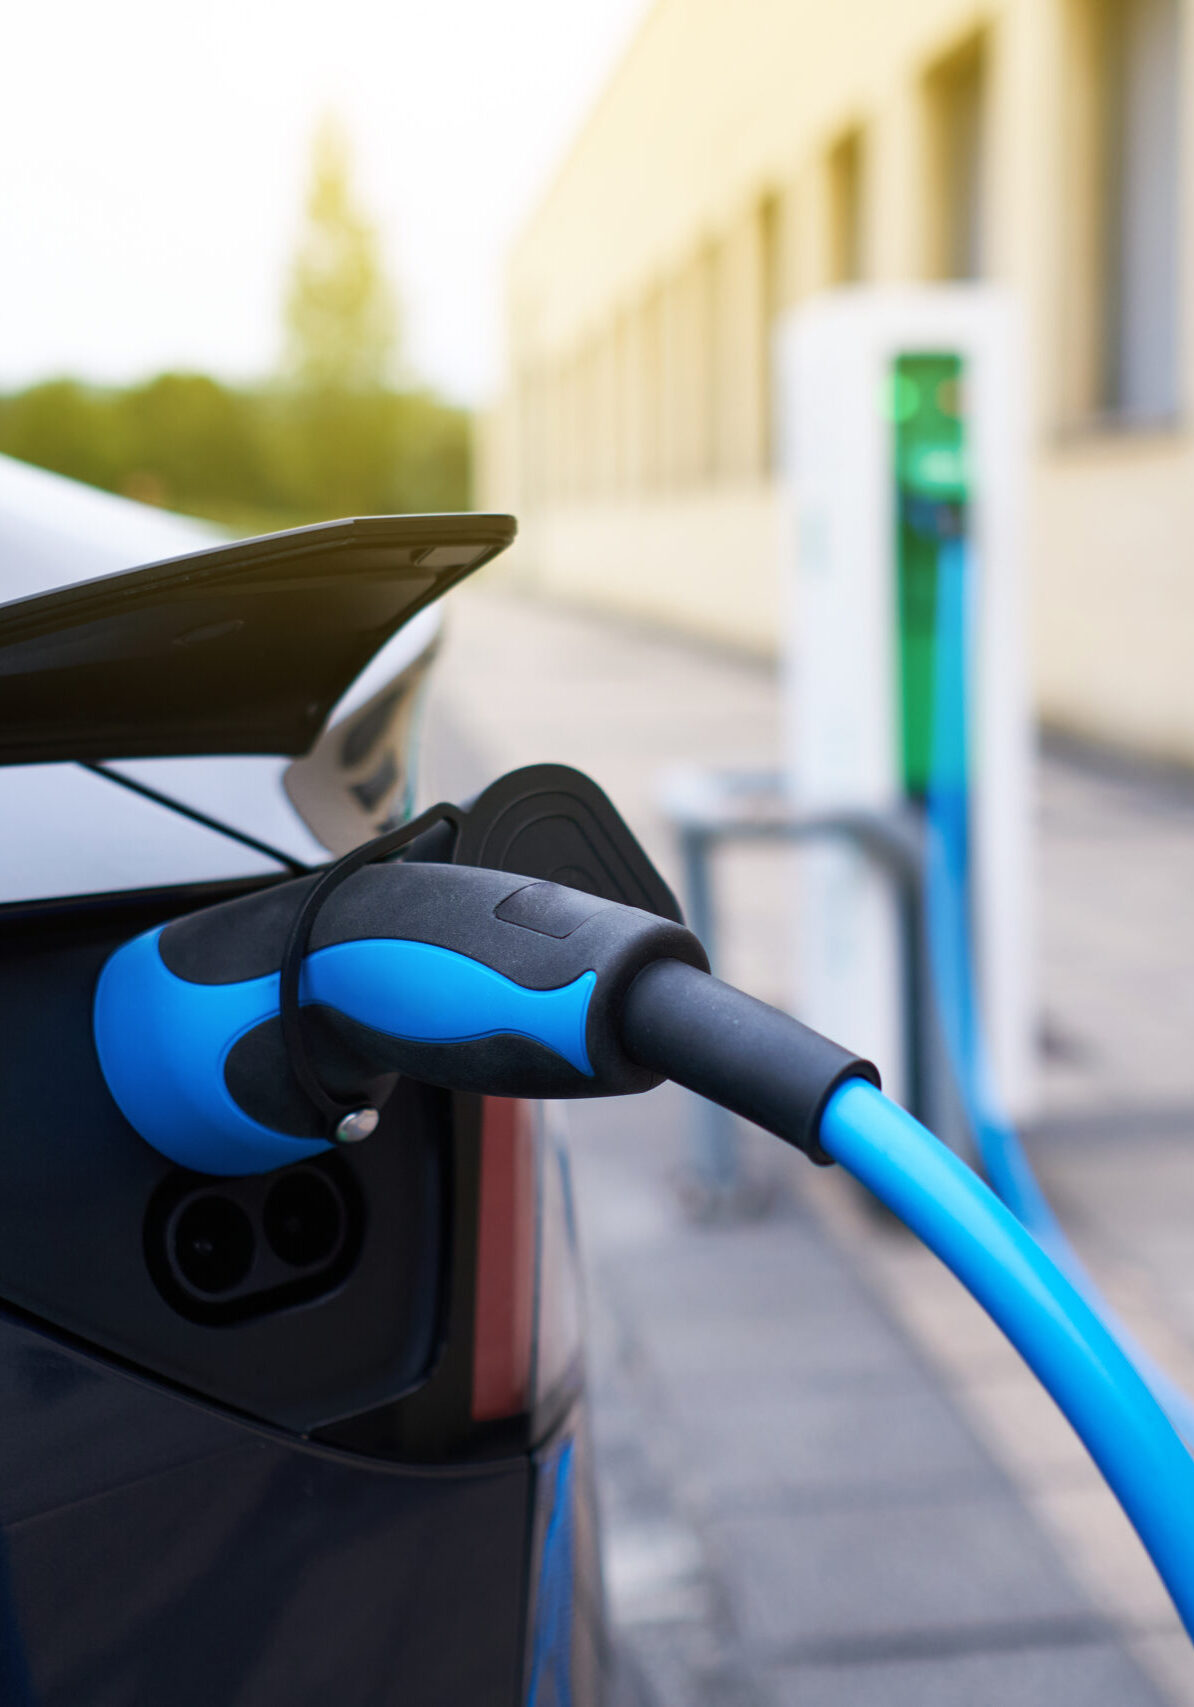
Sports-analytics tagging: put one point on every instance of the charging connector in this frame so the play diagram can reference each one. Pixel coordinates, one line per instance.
(457, 976)
(738, 1052)
(454, 975)
(481, 981)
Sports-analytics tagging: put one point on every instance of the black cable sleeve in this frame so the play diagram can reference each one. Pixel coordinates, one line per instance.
(294, 1034)
(736, 1051)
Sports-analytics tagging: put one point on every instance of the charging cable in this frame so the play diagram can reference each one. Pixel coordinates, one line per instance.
(481, 981)
(949, 915)
(751, 1059)
(1064, 1341)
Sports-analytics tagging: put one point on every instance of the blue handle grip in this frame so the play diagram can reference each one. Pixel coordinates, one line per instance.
(163, 1041)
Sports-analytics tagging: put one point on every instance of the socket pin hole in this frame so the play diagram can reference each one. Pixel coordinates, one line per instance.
(213, 1244)
(303, 1218)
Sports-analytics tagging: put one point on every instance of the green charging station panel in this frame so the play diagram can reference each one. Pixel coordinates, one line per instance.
(932, 505)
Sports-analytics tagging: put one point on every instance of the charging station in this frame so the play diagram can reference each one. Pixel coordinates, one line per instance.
(283, 1100)
(901, 426)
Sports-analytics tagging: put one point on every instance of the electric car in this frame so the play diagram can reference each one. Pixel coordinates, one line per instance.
(307, 1437)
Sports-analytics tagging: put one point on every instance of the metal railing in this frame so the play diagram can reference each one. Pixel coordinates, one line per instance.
(707, 809)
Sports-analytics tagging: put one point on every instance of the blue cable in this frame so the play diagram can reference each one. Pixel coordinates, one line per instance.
(1061, 1338)
(1013, 1254)
(949, 915)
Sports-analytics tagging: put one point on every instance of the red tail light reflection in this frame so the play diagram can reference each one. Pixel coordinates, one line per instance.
(507, 1231)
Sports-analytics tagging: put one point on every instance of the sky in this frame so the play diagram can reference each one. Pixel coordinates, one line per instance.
(153, 158)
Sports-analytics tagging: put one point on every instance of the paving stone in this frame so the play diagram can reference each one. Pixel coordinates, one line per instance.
(1059, 1677)
(1166, 1658)
(675, 1666)
(749, 1368)
(1022, 1425)
(717, 1269)
(823, 1344)
(740, 1449)
(1108, 1557)
(883, 1570)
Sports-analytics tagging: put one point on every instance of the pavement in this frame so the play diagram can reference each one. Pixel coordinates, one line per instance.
(825, 1477)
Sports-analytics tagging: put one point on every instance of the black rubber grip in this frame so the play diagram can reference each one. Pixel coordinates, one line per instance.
(538, 936)
(725, 1045)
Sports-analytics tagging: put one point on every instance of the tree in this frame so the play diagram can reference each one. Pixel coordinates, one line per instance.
(341, 325)
(335, 440)
(68, 427)
(190, 442)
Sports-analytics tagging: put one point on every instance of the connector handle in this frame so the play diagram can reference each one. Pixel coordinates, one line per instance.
(473, 979)
(748, 1057)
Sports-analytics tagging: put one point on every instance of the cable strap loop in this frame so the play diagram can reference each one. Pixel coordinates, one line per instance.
(346, 1121)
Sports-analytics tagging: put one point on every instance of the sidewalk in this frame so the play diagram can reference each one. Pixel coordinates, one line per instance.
(826, 1479)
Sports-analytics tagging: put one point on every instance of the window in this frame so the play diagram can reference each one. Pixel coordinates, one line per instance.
(771, 297)
(1141, 363)
(699, 346)
(651, 394)
(1123, 293)
(956, 98)
(847, 209)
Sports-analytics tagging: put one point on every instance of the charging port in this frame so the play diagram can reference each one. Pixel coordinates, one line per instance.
(213, 1244)
(258, 1244)
(303, 1218)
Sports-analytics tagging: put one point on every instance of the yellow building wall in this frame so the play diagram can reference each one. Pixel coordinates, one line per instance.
(713, 186)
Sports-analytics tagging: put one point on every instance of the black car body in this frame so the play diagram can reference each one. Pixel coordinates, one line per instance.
(350, 1466)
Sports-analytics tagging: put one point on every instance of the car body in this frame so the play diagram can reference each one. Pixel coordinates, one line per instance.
(357, 1472)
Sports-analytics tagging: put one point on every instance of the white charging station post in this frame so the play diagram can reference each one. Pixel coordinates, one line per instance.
(890, 398)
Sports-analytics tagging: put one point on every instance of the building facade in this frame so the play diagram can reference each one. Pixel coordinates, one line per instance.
(747, 155)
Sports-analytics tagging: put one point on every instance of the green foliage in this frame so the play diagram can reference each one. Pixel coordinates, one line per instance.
(330, 438)
(370, 453)
(67, 427)
(187, 434)
(255, 459)
(340, 317)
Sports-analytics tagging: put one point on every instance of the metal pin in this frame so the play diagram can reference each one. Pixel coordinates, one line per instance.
(361, 1123)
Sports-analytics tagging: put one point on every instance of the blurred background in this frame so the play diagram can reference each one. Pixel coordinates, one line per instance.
(230, 246)
(268, 266)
